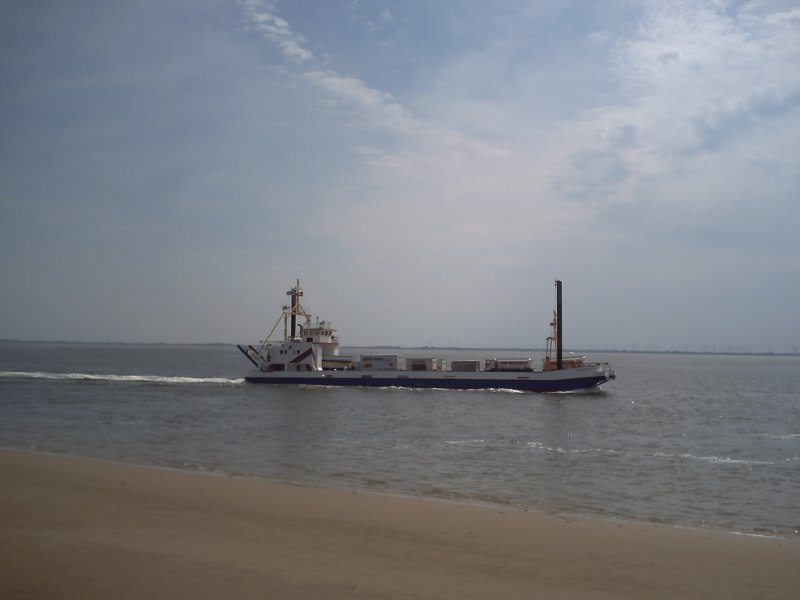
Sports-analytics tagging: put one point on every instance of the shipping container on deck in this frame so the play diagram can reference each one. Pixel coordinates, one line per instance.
(509, 364)
(465, 366)
(425, 364)
(382, 362)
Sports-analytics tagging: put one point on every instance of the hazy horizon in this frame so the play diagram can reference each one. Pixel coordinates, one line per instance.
(734, 351)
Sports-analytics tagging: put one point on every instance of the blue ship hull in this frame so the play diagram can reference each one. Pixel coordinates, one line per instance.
(566, 384)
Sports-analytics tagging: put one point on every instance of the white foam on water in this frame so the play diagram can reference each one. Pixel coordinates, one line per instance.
(714, 459)
(159, 379)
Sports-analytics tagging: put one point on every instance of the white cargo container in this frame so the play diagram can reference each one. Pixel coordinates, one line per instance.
(465, 366)
(509, 364)
(382, 362)
(424, 364)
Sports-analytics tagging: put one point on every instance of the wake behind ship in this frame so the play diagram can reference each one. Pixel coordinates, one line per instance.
(309, 355)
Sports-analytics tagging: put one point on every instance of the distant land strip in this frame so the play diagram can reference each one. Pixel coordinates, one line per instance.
(739, 352)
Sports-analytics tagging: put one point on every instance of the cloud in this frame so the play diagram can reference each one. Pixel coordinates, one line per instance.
(719, 124)
(600, 39)
(276, 30)
(384, 19)
(378, 110)
(693, 78)
(789, 17)
(366, 105)
(689, 78)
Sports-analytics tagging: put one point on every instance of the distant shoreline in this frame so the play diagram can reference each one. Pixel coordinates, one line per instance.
(393, 347)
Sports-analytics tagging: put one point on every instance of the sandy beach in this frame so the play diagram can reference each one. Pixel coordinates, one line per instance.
(83, 529)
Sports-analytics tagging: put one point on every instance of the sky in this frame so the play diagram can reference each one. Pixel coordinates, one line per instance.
(169, 168)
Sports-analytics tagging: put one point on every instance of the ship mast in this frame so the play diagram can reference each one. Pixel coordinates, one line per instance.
(559, 332)
(556, 337)
(290, 313)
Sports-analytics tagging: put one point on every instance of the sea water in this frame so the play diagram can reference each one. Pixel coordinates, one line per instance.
(705, 441)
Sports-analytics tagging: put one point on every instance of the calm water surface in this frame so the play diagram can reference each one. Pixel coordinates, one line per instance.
(701, 441)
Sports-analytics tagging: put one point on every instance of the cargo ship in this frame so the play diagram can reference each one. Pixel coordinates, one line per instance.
(308, 354)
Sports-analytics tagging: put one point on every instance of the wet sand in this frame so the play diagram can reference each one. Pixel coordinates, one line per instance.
(85, 529)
